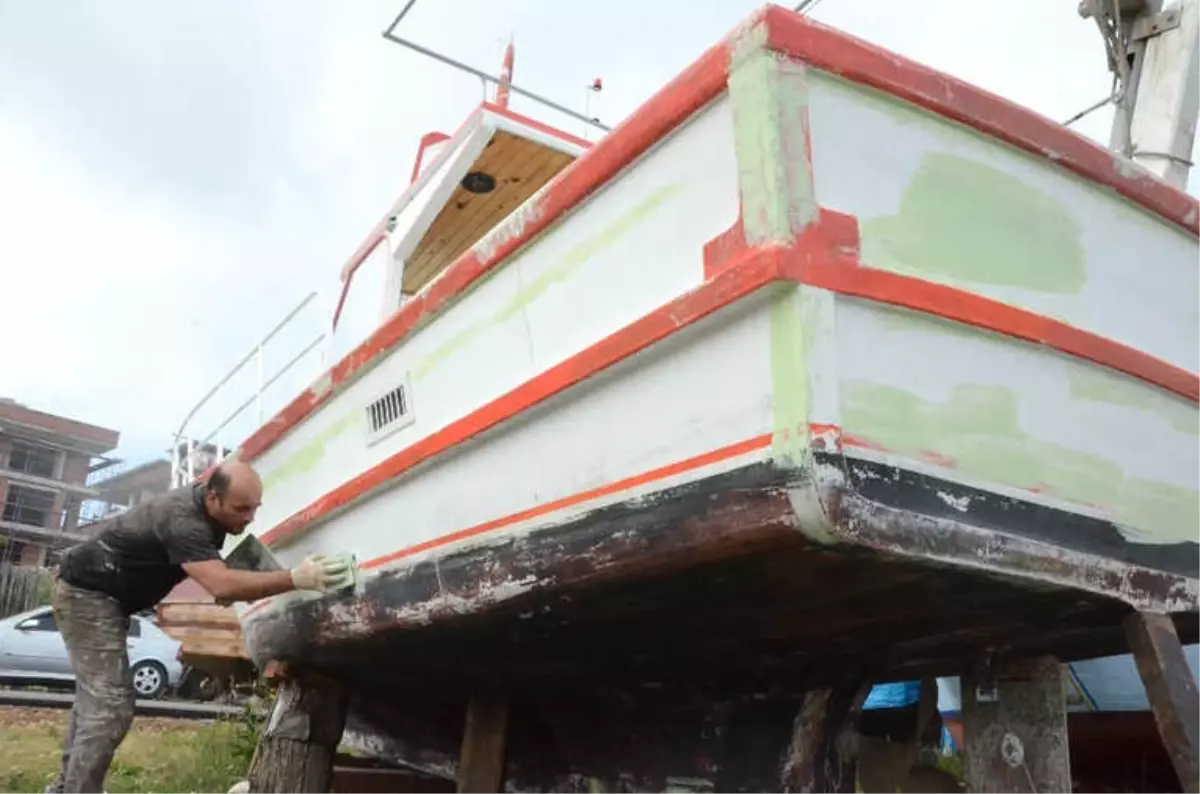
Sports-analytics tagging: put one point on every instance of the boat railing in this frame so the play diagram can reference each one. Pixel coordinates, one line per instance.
(221, 414)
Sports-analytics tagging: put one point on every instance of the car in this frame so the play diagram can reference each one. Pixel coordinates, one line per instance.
(32, 650)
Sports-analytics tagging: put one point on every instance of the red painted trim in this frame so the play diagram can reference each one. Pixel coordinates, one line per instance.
(976, 310)
(553, 132)
(725, 248)
(861, 62)
(662, 113)
(377, 236)
(654, 475)
(364, 248)
(826, 255)
(367, 248)
(759, 268)
(427, 140)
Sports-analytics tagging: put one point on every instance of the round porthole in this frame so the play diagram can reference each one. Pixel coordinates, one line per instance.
(479, 182)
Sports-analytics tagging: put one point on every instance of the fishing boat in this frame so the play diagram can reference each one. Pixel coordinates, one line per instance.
(821, 361)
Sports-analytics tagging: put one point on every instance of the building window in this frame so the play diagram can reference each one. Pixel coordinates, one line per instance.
(30, 506)
(38, 461)
(10, 551)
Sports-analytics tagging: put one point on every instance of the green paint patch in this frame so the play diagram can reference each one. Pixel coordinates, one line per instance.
(978, 427)
(769, 98)
(789, 380)
(1097, 385)
(557, 273)
(966, 223)
(308, 456)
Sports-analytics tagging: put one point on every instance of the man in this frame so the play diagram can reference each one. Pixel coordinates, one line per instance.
(130, 566)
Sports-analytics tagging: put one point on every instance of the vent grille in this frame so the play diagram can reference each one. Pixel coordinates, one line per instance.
(388, 413)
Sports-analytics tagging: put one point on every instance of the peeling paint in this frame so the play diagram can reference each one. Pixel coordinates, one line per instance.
(789, 381)
(322, 385)
(966, 223)
(959, 503)
(979, 427)
(769, 99)
(559, 272)
(308, 456)
(748, 38)
(512, 227)
(965, 545)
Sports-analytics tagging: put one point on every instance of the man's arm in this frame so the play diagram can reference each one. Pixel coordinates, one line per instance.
(227, 584)
(230, 584)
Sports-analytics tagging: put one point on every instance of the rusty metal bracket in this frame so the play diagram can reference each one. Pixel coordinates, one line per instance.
(1156, 24)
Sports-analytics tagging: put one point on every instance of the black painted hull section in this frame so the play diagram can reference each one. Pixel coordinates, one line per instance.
(644, 625)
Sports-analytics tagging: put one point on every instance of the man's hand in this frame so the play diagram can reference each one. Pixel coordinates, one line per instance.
(316, 573)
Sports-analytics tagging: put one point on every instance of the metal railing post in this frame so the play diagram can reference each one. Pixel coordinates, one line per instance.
(258, 388)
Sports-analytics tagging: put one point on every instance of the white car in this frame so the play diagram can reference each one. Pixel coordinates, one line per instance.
(31, 649)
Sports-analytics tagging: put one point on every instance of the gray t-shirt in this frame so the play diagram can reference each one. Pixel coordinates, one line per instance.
(137, 557)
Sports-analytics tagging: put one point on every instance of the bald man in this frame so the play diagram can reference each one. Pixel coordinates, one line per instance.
(130, 565)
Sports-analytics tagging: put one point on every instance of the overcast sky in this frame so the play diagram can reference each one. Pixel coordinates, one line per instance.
(174, 176)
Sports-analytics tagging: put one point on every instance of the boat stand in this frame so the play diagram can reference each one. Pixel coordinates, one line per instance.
(1171, 690)
(1014, 720)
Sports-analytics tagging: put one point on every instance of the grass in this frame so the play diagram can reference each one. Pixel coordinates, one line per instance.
(157, 754)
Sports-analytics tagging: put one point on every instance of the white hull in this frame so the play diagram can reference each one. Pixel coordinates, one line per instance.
(932, 200)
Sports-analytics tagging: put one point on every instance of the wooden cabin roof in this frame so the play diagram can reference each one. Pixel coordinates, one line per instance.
(520, 166)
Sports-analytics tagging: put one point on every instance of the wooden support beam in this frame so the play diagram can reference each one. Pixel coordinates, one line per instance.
(1171, 690)
(296, 749)
(818, 758)
(1015, 728)
(481, 763)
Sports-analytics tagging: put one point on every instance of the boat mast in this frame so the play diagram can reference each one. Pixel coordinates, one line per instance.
(1154, 55)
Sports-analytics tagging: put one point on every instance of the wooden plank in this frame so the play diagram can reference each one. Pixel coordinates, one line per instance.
(502, 155)
(531, 165)
(214, 650)
(1171, 690)
(481, 763)
(203, 614)
(1015, 728)
(520, 168)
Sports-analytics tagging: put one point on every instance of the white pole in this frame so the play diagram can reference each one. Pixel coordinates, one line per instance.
(258, 386)
(1166, 99)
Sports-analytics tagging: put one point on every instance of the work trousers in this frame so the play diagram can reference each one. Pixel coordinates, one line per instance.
(94, 628)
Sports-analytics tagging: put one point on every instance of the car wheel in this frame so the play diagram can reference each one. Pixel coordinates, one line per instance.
(149, 680)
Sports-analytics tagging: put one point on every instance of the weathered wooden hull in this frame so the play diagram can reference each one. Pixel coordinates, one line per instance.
(794, 372)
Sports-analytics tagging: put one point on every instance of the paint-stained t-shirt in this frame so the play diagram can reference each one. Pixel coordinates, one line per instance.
(137, 557)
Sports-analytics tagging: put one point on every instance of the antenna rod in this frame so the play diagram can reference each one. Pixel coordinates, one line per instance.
(390, 36)
(506, 73)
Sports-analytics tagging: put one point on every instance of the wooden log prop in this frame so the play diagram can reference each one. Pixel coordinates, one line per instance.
(296, 750)
(481, 763)
(819, 757)
(1015, 728)
(1171, 690)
